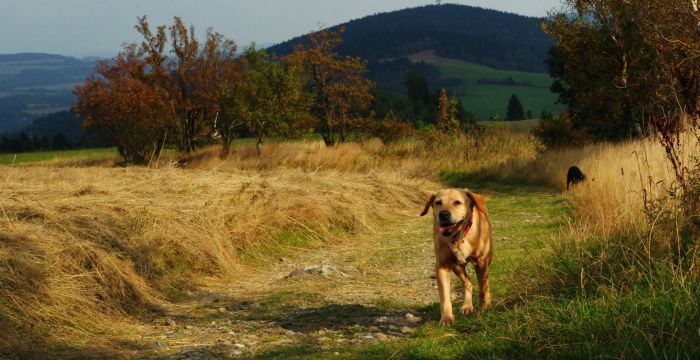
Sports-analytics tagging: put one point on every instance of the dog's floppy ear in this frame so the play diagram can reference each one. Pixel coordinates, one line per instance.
(428, 205)
(477, 200)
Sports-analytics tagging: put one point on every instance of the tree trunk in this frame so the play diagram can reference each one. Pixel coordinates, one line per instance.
(343, 130)
(259, 147)
(226, 148)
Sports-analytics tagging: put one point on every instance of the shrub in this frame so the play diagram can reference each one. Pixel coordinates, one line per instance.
(559, 132)
(391, 129)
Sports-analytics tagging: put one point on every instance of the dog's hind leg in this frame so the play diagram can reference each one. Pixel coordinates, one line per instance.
(467, 306)
(482, 273)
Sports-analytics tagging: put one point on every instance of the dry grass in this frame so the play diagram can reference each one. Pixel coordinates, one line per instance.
(80, 247)
(82, 244)
(619, 177)
(424, 157)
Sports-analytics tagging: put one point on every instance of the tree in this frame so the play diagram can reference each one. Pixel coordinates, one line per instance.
(447, 122)
(337, 83)
(417, 90)
(119, 99)
(515, 109)
(196, 73)
(270, 97)
(390, 129)
(621, 63)
(60, 142)
(601, 66)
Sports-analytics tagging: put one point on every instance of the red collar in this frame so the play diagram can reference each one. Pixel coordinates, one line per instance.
(467, 228)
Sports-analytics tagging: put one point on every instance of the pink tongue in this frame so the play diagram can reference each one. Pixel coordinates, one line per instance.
(443, 229)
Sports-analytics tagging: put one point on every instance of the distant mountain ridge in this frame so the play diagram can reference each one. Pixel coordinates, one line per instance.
(36, 70)
(33, 57)
(488, 37)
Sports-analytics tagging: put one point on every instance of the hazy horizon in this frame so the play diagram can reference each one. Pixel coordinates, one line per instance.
(83, 28)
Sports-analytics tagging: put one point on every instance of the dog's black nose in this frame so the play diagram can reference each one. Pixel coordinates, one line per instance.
(444, 215)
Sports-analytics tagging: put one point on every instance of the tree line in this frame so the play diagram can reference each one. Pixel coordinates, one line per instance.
(619, 65)
(148, 98)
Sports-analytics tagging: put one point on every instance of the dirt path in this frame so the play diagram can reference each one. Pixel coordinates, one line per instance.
(376, 288)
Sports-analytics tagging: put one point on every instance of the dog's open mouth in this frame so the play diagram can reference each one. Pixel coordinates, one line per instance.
(446, 229)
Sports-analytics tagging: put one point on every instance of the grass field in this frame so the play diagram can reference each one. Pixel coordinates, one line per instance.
(520, 126)
(39, 156)
(102, 261)
(486, 99)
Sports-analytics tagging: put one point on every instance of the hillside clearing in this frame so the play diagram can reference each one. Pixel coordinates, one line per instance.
(483, 100)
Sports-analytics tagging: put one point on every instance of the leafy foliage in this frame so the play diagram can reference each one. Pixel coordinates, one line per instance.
(624, 63)
(337, 83)
(391, 129)
(120, 99)
(559, 132)
(269, 98)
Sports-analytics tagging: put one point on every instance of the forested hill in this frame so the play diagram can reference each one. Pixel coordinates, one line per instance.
(487, 37)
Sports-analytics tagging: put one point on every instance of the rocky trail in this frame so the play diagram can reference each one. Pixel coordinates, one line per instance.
(372, 289)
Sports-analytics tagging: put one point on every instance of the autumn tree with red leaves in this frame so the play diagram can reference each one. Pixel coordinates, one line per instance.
(340, 90)
(174, 100)
(122, 100)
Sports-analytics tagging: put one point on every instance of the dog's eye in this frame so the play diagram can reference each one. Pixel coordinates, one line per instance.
(457, 203)
(438, 203)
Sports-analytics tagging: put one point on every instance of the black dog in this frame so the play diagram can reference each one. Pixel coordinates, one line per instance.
(574, 176)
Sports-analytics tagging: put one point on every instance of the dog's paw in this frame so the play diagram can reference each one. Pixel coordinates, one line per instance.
(466, 309)
(447, 320)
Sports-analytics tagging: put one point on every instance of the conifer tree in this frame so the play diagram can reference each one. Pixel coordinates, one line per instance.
(515, 109)
(447, 122)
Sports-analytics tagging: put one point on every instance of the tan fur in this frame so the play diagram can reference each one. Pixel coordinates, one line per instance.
(454, 252)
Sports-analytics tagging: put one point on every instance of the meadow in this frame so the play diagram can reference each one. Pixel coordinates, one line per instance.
(42, 156)
(483, 100)
(196, 261)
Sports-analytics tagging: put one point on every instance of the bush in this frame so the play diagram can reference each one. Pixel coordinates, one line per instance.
(559, 132)
(390, 129)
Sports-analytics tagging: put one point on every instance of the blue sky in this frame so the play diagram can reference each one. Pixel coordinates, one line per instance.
(98, 27)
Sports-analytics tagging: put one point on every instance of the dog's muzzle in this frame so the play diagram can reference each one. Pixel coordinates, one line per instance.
(447, 229)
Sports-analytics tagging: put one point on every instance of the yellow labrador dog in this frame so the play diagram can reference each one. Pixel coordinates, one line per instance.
(461, 234)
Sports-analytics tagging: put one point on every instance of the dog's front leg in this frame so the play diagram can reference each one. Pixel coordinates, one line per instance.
(442, 274)
(461, 273)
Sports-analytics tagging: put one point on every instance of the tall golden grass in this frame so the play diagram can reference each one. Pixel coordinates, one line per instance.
(623, 179)
(81, 247)
(422, 157)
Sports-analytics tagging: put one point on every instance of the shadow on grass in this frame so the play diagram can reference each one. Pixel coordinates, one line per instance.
(341, 317)
(25, 345)
(488, 184)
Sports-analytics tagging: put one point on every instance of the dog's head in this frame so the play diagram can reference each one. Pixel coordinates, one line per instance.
(452, 208)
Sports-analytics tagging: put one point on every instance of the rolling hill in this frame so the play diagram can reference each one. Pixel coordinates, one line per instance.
(482, 36)
(482, 56)
(34, 84)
